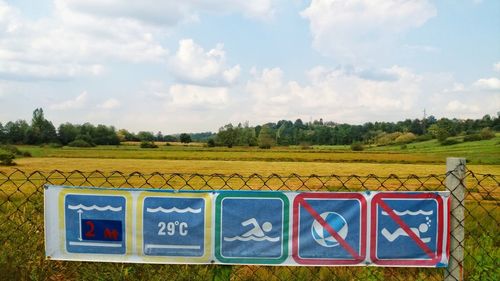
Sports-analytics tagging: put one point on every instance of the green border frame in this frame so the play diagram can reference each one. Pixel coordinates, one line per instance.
(257, 195)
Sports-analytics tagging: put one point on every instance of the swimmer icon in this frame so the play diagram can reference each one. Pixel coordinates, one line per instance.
(257, 233)
(251, 227)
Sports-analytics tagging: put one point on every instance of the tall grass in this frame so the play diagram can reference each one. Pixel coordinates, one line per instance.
(22, 255)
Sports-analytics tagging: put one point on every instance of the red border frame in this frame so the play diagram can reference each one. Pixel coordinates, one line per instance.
(361, 256)
(448, 212)
(436, 256)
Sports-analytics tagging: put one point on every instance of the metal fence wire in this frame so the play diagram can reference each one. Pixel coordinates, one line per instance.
(22, 254)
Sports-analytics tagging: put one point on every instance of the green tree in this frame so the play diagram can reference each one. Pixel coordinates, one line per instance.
(266, 137)
(41, 130)
(87, 129)
(145, 136)
(441, 130)
(159, 136)
(245, 135)
(124, 135)
(285, 133)
(211, 143)
(185, 138)
(227, 135)
(67, 133)
(15, 132)
(170, 138)
(3, 138)
(104, 135)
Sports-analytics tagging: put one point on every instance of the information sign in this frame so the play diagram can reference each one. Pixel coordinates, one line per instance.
(175, 225)
(251, 227)
(329, 228)
(94, 224)
(407, 229)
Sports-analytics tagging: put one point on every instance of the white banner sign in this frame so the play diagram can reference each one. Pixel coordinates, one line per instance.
(247, 227)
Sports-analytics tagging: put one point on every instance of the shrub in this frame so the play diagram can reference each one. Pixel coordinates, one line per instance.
(148, 144)
(211, 143)
(385, 138)
(405, 138)
(472, 137)
(356, 146)
(86, 138)
(54, 145)
(487, 133)
(79, 143)
(404, 146)
(7, 158)
(425, 137)
(11, 148)
(265, 145)
(14, 150)
(449, 141)
(305, 145)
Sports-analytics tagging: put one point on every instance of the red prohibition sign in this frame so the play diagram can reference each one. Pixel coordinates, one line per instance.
(301, 201)
(434, 257)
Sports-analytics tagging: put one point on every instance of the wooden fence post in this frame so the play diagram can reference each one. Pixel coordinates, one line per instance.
(455, 183)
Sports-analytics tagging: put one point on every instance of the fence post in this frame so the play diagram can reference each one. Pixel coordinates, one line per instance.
(455, 175)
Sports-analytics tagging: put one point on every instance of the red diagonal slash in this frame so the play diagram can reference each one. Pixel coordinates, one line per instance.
(407, 229)
(330, 230)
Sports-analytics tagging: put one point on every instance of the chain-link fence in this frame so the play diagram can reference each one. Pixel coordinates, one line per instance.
(22, 238)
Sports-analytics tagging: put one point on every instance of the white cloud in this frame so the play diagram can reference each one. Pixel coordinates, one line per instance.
(491, 84)
(110, 104)
(77, 102)
(337, 94)
(456, 106)
(197, 96)
(231, 74)
(170, 12)
(69, 44)
(80, 37)
(350, 95)
(183, 97)
(496, 66)
(193, 64)
(351, 30)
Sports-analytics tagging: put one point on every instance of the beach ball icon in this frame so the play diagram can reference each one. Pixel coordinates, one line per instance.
(322, 236)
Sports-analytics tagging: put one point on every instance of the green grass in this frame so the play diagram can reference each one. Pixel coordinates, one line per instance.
(22, 255)
(431, 152)
(477, 152)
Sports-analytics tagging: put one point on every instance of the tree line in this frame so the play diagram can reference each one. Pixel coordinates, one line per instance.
(318, 132)
(283, 133)
(42, 131)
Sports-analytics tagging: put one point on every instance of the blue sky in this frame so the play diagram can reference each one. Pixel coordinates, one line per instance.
(190, 66)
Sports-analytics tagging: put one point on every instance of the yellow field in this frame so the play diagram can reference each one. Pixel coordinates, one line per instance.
(230, 167)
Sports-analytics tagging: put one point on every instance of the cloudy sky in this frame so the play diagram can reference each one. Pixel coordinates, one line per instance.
(193, 65)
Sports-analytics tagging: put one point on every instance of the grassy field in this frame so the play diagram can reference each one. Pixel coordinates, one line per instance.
(230, 167)
(418, 158)
(21, 203)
